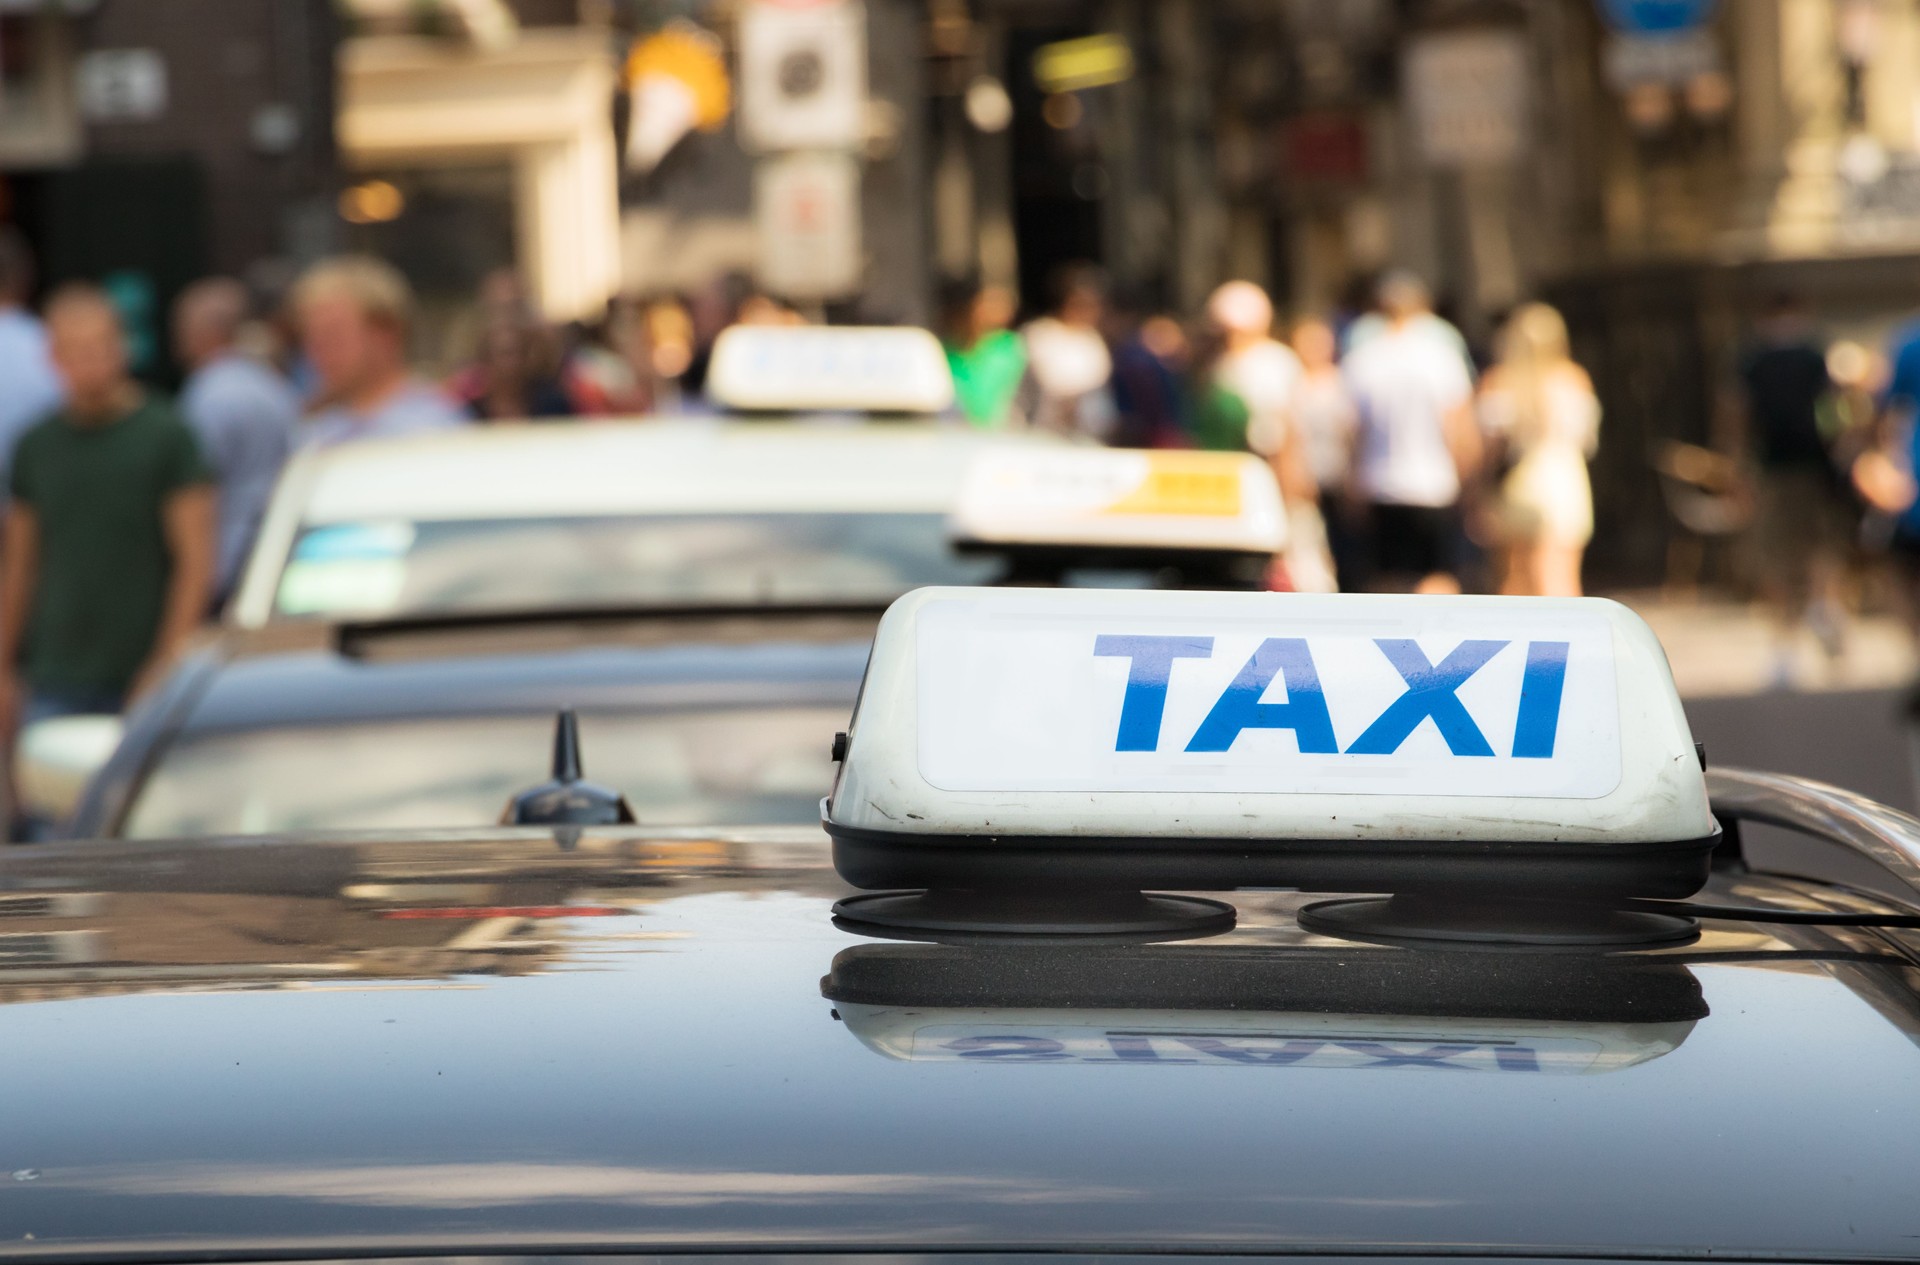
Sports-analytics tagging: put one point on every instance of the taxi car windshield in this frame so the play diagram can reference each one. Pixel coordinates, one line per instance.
(758, 766)
(399, 567)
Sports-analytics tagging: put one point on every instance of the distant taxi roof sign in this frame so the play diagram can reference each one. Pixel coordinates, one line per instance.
(819, 368)
(1059, 731)
(1113, 497)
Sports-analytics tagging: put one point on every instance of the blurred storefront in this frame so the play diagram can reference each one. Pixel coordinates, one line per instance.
(485, 149)
(813, 186)
(1654, 167)
(1651, 166)
(145, 144)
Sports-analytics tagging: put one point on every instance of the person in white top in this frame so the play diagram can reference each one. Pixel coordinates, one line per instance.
(1540, 407)
(1258, 368)
(1264, 374)
(1069, 369)
(1416, 441)
(1324, 412)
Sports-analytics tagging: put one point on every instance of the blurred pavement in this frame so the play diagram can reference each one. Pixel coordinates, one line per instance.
(1839, 722)
(1719, 648)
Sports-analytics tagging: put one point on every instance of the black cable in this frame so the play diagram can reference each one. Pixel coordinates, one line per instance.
(1765, 913)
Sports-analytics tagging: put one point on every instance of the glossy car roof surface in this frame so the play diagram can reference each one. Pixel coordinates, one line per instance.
(529, 1041)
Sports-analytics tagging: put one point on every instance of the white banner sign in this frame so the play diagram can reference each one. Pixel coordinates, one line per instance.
(806, 219)
(803, 74)
(1468, 95)
(121, 85)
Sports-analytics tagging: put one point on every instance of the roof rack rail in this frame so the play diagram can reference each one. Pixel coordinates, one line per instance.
(1885, 836)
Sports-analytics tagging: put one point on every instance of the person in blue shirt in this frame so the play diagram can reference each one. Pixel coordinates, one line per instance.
(243, 412)
(1803, 526)
(355, 318)
(1899, 407)
(30, 389)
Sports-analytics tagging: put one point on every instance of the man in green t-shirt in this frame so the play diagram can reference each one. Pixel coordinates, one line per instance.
(109, 550)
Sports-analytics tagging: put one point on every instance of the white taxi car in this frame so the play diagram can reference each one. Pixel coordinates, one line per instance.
(583, 515)
(830, 479)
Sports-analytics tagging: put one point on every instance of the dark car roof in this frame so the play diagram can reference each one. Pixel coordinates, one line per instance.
(528, 1041)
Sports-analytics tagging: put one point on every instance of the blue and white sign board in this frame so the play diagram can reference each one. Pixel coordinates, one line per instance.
(1656, 17)
(820, 368)
(1261, 715)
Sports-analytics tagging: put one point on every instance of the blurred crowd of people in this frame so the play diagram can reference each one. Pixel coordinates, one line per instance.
(1404, 466)
(131, 515)
(1817, 448)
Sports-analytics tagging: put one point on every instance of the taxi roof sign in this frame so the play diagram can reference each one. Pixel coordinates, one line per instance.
(1229, 502)
(819, 368)
(1356, 743)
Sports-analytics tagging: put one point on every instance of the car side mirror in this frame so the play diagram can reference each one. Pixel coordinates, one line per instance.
(57, 758)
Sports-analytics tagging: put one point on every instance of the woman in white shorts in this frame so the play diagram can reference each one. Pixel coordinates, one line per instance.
(1541, 407)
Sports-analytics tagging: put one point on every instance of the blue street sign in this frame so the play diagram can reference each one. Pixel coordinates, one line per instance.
(1655, 17)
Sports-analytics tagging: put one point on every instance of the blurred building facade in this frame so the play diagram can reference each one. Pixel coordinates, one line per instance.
(145, 144)
(477, 135)
(1652, 166)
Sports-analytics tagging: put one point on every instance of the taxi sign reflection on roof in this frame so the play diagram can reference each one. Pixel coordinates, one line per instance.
(1232, 1038)
(815, 368)
(1103, 496)
(1265, 1006)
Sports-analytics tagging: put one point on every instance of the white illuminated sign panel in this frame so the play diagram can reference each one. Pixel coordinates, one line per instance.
(1426, 702)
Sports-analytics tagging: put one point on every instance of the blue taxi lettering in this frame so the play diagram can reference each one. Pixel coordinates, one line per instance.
(1239, 706)
(1540, 691)
(1017, 1048)
(1291, 1052)
(1516, 1058)
(1278, 1051)
(1151, 663)
(1134, 1047)
(1384, 1055)
(1430, 695)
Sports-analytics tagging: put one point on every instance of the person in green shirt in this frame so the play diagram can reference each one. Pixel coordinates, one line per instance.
(987, 358)
(108, 560)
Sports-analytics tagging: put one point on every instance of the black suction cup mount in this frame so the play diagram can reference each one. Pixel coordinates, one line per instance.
(1041, 915)
(1461, 920)
(567, 799)
(1452, 893)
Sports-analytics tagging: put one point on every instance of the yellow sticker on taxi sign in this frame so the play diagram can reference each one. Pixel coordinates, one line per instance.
(1199, 483)
(1106, 497)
